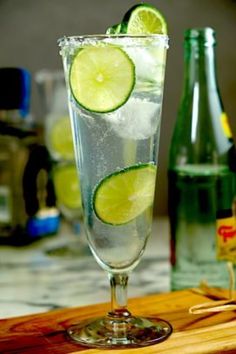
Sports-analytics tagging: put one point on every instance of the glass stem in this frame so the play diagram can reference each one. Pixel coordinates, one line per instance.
(118, 283)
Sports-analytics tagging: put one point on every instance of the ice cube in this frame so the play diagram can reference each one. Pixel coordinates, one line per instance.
(149, 63)
(137, 119)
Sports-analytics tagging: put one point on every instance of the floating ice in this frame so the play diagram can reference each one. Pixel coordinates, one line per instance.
(149, 63)
(137, 119)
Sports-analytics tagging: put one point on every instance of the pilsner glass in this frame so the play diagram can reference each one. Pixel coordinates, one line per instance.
(58, 139)
(116, 153)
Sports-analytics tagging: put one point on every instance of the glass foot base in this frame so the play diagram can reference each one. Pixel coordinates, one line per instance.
(136, 332)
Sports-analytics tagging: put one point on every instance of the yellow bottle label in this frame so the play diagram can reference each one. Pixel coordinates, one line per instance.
(226, 239)
(225, 125)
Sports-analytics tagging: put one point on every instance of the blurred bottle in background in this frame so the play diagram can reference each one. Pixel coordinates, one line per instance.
(202, 174)
(27, 200)
(59, 141)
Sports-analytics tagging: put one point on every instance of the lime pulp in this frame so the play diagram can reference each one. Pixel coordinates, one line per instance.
(101, 77)
(60, 138)
(66, 182)
(125, 194)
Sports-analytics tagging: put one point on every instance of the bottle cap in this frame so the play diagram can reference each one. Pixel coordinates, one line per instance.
(205, 35)
(15, 89)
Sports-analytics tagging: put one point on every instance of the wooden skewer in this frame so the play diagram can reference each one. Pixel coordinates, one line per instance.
(227, 304)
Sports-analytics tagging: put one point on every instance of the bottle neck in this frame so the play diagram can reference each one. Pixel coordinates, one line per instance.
(202, 134)
(200, 68)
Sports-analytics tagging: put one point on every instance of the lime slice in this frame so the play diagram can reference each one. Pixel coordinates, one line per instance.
(66, 183)
(114, 29)
(144, 19)
(60, 138)
(124, 195)
(102, 78)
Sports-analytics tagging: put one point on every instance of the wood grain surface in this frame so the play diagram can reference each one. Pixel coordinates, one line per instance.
(46, 333)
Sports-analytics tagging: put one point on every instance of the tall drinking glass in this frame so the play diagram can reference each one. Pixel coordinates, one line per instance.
(115, 87)
(58, 139)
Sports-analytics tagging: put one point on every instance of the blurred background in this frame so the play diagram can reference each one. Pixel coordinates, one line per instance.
(29, 30)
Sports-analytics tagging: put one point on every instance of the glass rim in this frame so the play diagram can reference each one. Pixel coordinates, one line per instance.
(44, 74)
(66, 40)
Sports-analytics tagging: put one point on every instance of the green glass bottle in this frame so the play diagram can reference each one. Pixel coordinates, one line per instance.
(201, 173)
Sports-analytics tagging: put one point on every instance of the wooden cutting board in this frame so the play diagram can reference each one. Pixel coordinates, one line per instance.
(45, 333)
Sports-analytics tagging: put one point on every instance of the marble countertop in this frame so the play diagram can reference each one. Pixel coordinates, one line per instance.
(39, 278)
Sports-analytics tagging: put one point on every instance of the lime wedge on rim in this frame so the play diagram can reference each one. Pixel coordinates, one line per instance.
(66, 184)
(144, 19)
(125, 194)
(101, 78)
(60, 138)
